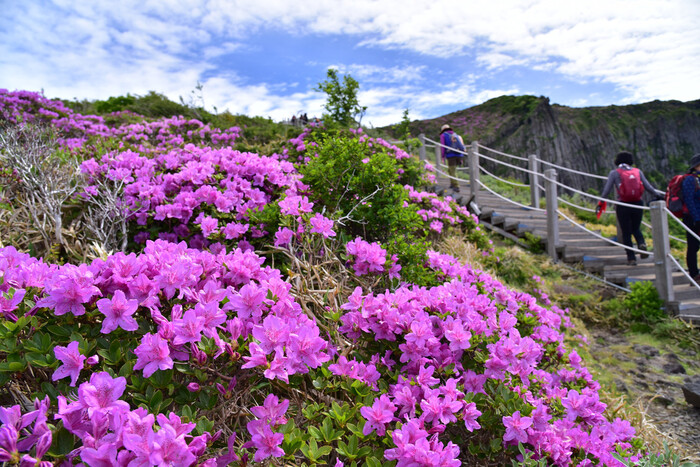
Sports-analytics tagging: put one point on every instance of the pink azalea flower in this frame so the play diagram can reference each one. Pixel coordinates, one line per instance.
(189, 328)
(515, 427)
(103, 393)
(322, 225)
(72, 362)
(283, 237)
(118, 313)
(153, 354)
(272, 411)
(209, 225)
(380, 413)
(267, 443)
(470, 415)
(273, 334)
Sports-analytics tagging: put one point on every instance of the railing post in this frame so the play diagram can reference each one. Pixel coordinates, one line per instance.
(438, 156)
(662, 248)
(474, 171)
(534, 166)
(550, 194)
(421, 150)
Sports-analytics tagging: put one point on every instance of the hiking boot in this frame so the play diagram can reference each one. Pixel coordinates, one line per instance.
(643, 255)
(455, 189)
(697, 279)
(631, 262)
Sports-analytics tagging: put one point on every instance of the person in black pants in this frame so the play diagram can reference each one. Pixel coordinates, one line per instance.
(691, 198)
(628, 217)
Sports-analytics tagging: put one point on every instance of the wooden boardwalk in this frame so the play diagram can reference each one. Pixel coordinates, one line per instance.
(583, 250)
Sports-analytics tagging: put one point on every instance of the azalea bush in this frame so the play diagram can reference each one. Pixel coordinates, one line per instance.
(284, 309)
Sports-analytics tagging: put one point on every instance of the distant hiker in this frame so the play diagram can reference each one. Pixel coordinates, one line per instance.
(294, 120)
(452, 144)
(630, 184)
(691, 198)
(304, 119)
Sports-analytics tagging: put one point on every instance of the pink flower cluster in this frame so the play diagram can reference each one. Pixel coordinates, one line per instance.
(437, 212)
(227, 297)
(263, 438)
(203, 193)
(434, 331)
(371, 258)
(74, 129)
(113, 434)
(20, 434)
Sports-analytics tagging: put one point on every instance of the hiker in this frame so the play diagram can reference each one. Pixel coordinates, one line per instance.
(630, 184)
(451, 143)
(691, 198)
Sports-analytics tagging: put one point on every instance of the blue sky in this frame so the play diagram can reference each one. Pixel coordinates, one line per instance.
(265, 57)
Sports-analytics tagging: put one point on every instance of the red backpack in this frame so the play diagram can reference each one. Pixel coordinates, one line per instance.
(674, 196)
(631, 187)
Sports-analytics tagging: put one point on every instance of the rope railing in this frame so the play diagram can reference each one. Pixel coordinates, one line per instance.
(685, 227)
(610, 201)
(448, 176)
(566, 169)
(503, 179)
(685, 273)
(528, 171)
(583, 208)
(595, 234)
(508, 199)
(648, 226)
(536, 171)
(520, 158)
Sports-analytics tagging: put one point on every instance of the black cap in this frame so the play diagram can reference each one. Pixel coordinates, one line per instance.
(694, 162)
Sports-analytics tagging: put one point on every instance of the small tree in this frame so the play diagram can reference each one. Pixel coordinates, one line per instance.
(403, 132)
(342, 105)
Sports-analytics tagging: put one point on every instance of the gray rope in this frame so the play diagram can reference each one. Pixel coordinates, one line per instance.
(502, 153)
(507, 199)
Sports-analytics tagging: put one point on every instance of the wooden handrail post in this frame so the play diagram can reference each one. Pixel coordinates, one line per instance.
(438, 156)
(474, 171)
(662, 248)
(550, 194)
(534, 166)
(421, 150)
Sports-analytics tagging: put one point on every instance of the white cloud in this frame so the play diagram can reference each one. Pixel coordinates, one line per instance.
(95, 49)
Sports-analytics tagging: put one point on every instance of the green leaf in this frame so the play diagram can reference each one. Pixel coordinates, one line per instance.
(323, 451)
(315, 432)
(63, 443)
(156, 399)
(12, 367)
(38, 360)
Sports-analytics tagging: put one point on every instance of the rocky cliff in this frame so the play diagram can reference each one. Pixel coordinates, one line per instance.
(663, 136)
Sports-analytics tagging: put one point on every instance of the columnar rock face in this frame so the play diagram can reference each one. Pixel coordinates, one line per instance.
(663, 136)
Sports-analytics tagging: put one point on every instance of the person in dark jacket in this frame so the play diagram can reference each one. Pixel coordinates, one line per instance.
(453, 157)
(691, 198)
(629, 218)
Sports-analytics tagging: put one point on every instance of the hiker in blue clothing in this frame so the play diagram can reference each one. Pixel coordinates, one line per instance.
(630, 184)
(691, 198)
(452, 153)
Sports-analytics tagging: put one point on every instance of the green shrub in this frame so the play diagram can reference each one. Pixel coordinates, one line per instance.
(643, 304)
(362, 186)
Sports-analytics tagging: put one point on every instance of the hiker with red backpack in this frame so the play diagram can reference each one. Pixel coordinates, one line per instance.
(452, 150)
(691, 215)
(630, 184)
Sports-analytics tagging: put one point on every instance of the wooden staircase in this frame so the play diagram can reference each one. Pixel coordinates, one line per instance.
(578, 247)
